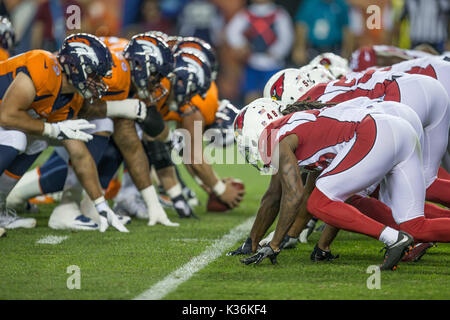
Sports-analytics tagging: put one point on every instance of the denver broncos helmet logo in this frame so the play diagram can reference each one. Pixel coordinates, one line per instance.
(278, 88)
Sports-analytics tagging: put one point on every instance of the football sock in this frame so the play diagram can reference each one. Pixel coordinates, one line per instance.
(374, 209)
(27, 187)
(433, 211)
(443, 174)
(389, 236)
(342, 215)
(439, 192)
(428, 230)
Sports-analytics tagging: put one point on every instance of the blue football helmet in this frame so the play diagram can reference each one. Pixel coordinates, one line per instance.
(191, 76)
(173, 40)
(150, 60)
(163, 36)
(86, 60)
(202, 48)
(7, 34)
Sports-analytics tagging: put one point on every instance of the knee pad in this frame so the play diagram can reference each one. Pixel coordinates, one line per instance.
(158, 154)
(153, 123)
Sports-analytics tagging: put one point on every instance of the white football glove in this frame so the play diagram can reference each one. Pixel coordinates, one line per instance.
(132, 109)
(160, 216)
(113, 220)
(69, 129)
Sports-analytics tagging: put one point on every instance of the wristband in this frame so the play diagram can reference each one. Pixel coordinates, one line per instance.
(50, 130)
(219, 188)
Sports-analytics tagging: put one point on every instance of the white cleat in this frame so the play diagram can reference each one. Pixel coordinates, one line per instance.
(2, 232)
(267, 239)
(304, 235)
(68, 216)
(10, 220)
(134, 207)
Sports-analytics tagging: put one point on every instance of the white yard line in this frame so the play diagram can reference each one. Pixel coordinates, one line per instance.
(52, 239)
(173, 280)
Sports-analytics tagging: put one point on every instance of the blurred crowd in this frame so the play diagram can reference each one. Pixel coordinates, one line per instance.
(253, 38)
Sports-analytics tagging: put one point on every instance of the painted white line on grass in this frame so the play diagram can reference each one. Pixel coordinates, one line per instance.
(173, 280)
(192, 239)
(52, 239)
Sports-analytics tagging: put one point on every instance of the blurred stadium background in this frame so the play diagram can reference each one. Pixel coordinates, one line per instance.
(311, 27)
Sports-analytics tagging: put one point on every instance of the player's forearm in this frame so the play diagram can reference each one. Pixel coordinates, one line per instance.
(95, 110)
(292, 189)
(303, 216)
(84, 167)
(21, 121)
(206, 173)
(268, 211)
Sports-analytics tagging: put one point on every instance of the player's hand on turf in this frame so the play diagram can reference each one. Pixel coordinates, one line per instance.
(232, 195)
(113, 220)
(265, 252)
(69, 129)
(160, 216)
(246, 248)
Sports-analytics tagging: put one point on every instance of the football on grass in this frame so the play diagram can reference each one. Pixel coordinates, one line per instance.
(217, 205)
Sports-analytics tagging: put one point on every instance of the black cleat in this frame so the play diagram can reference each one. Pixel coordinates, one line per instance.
(322, 255)
(395, 252)
(417, 251)
(182, 207)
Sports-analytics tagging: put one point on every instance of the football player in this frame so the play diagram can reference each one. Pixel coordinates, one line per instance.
(187, 97)
(382, 55)
(293, 89)
(345, 154)
(37, 89)
(425, 95)
(125, 137)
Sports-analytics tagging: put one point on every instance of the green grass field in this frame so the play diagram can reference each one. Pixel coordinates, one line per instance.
(114, 265)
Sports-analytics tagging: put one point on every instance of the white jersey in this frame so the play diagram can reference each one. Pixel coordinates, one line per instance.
(372, 84)
(437, 67)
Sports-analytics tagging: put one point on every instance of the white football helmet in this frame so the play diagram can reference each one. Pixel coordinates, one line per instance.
(287, 86)
(337, 65)
(249, 125)
(317, 73)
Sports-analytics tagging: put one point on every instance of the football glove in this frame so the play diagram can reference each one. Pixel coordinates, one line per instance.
(246, 248)
(69, 129)
(161, 217)
(265, 252)
(113, 219)
(132, 109)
